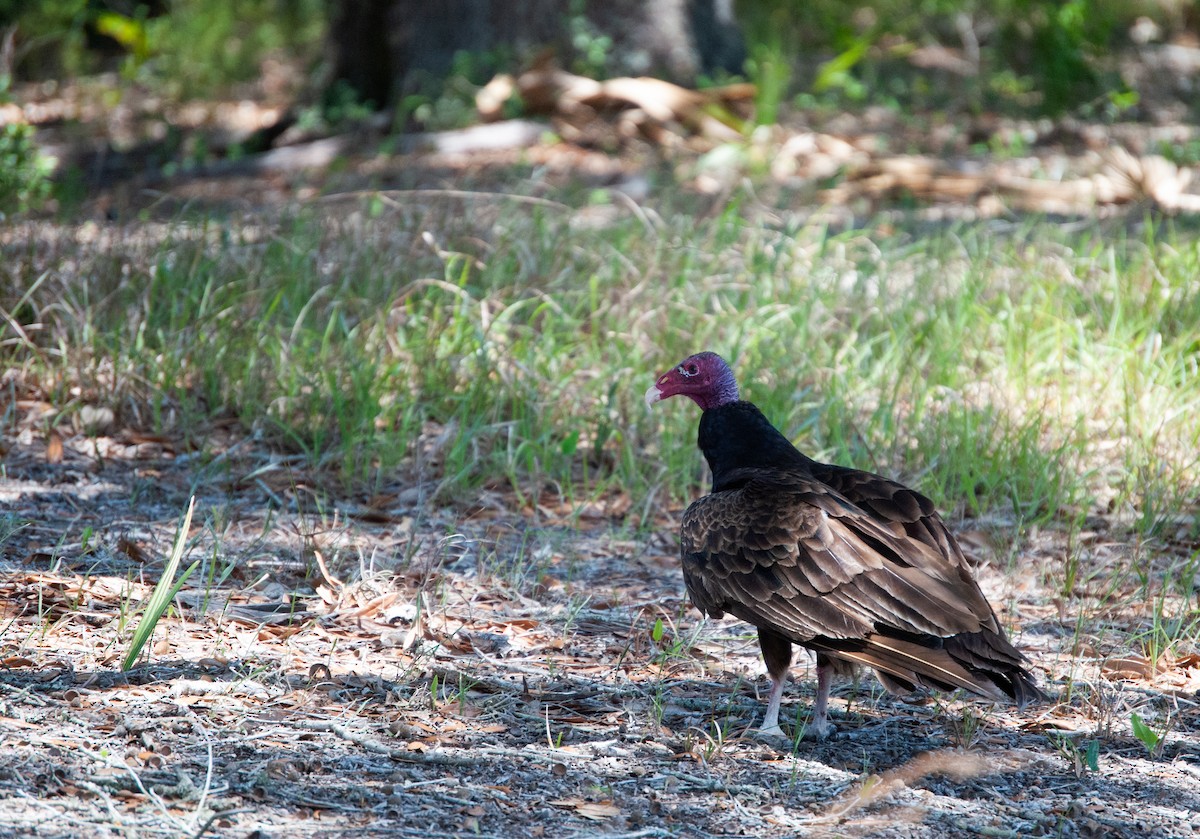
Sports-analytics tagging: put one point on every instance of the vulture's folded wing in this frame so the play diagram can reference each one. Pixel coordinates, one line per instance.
(906, 512)
(791, 555)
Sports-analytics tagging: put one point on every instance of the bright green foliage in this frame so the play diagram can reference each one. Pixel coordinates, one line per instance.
(194, 49)
(1046, 54)
(24, 170)
(770, 71)
(1025, 372)
(205, 45)
(1055, 43)
(592, 48)
(1148, 737)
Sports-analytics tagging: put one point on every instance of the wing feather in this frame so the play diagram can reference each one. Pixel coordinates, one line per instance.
(795, 555)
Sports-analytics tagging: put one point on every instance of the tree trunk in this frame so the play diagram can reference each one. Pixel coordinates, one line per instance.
(362, 64)
(384, 49)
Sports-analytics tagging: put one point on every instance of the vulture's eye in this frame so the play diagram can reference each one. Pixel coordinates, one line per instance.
(689, 369)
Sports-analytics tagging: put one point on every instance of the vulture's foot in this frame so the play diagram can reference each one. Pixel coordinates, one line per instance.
(776, 736)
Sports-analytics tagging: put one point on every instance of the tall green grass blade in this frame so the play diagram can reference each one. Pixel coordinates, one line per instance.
(164, 592)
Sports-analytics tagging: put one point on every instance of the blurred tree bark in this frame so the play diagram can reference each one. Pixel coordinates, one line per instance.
(358, 36)
(383, 49)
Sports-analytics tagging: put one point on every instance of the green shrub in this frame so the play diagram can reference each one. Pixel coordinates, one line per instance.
(195, 48)
(24, 170)
(1051, 55)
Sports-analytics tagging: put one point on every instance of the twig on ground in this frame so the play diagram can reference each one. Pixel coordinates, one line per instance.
(402, 755)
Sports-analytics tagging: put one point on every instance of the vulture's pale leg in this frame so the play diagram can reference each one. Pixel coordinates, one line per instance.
(777, 654)
(820, 727)
(770, 725)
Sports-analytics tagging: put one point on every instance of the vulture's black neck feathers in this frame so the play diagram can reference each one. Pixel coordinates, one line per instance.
(736, 438)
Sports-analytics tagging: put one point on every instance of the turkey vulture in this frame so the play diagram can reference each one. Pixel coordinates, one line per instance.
(857, 568)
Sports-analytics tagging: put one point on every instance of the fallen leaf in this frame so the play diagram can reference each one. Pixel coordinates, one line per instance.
(131, 549)
(54, 447)
(1128, 667)
(1188, 661)
(594, 810)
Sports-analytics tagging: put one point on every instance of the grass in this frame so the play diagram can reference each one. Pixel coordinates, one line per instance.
(1025, 372)
(1026, 376)
(164, 592)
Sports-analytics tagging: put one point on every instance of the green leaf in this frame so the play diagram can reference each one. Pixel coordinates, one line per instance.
(1123, 100)
(603, 432)
(1092, 756)
(836, 71)
(657, 632)
(1143, 732)
(126, 31)
(570, 443)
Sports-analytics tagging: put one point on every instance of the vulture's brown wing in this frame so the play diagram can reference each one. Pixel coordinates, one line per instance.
(792, 555)
(906, 512)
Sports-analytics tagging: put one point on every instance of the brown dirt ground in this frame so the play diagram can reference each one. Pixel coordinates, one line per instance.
(384, 668)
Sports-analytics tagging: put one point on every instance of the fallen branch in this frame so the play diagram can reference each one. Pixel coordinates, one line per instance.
(372, 745)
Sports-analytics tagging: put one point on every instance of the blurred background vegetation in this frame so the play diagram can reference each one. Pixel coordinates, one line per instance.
(1048, 54)
(186, 47)
(924, 59)
(312, 352)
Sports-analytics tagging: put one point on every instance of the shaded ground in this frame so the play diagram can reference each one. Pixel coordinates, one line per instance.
(386, 669)
(123, 154)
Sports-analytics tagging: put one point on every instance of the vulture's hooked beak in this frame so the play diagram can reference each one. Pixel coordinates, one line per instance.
(652, 395)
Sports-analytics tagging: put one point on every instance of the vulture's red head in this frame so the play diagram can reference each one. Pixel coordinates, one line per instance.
(704, 378)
